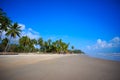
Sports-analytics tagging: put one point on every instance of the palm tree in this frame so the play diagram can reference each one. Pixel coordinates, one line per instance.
(32, 43)
(49, 45)
(60, 45)
(13, 32)
(24, 41)
(49, 41)
(5, 22)
(65, 47)
(57, 46)
(54, 47)
(45, 45)
(5, 41)
(3, 44)
(41, 42)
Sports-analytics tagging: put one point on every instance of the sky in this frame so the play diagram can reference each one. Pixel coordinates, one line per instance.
(89, 25)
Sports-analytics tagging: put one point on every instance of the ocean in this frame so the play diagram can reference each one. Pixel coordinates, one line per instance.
(107, 56)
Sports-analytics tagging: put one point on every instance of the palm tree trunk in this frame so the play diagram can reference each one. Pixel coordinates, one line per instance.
(1, 34)
(7, 45)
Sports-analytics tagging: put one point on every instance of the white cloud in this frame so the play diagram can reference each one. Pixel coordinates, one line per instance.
(30, 29)
(3, 35)
(22, 26)
(116, 40)
(31, 33)
(102, 44)
(56, 37)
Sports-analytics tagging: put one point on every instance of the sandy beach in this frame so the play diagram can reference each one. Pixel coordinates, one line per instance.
(57, 67)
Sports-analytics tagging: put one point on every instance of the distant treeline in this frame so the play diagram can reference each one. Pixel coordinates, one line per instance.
(24, 43)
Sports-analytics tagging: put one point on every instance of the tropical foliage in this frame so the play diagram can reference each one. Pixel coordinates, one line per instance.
(25, 43)
(12, 32)
(5, 22)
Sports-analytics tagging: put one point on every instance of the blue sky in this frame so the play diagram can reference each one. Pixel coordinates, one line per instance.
(90, 25)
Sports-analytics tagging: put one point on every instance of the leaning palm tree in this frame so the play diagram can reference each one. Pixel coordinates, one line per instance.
(4, 22)
(3, 43)
(13, 32)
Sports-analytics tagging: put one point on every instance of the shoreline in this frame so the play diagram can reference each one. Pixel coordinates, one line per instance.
(57, 55)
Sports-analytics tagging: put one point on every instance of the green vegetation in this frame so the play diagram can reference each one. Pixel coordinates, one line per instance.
(77, 51)
(25, 44)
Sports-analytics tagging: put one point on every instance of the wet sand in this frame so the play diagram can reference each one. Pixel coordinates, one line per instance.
(57, 67)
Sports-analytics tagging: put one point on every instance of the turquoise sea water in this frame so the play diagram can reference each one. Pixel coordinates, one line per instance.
(107, 56)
